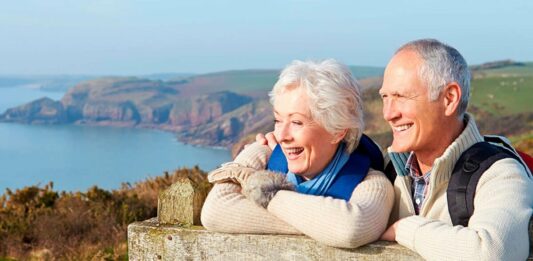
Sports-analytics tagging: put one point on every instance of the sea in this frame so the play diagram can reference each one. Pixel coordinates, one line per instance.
(77, 157)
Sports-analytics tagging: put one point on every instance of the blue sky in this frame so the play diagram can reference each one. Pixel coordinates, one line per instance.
(132, 37)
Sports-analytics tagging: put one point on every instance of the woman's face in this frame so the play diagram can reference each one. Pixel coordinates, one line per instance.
(306, 144)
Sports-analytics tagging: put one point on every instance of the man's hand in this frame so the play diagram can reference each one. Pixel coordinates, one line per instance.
(390, 233)
(268, 139)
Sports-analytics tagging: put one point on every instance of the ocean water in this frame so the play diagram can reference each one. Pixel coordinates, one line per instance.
(78, 157)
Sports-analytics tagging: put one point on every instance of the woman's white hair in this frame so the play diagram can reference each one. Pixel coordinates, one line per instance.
(333, 93)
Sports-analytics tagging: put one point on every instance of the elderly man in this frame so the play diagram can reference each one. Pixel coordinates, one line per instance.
(425, 94)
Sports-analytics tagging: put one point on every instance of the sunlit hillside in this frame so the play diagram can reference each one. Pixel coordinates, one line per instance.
(501, 98)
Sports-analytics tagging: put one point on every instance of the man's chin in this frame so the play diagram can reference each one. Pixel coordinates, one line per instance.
(400, 148)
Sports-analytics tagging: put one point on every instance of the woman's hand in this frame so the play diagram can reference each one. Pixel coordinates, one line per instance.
(268, 139)
(261, 186)
(232, 172)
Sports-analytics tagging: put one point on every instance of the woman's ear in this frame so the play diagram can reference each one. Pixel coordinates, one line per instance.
(339, 136)
(452, 97)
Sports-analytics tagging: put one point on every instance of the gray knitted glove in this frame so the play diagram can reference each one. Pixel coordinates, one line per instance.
(261, 186)
(232, 172)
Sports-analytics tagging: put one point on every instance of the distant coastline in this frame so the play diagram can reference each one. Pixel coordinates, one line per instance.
(222, 109)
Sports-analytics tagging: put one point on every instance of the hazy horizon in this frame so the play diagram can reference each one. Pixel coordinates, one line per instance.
(120, 37)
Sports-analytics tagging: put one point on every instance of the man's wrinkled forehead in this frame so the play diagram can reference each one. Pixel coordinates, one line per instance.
(402, 71)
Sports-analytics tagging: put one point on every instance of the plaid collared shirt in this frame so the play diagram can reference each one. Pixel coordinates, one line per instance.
(420, 185)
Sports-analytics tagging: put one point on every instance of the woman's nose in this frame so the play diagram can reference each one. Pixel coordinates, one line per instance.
(282, 133)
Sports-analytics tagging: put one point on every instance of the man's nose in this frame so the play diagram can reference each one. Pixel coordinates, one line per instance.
(390, 111)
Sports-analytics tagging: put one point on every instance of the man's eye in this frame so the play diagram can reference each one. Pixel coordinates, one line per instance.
(297, 122)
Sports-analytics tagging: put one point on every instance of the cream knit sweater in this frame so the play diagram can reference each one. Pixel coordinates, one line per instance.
(334, 222)
(498, 228)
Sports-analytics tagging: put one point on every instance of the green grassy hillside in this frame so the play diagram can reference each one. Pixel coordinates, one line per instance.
(514, 69)
(503, 95)
(249, 82)
(502, 101)
(255, 83)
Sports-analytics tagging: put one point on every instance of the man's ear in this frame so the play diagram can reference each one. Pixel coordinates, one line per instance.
(452, 97)
(339, 136)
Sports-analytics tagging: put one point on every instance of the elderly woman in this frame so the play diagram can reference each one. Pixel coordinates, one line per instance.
(321, 180)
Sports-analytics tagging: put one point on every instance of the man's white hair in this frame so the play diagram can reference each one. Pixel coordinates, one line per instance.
(442, 64)
(333, 93)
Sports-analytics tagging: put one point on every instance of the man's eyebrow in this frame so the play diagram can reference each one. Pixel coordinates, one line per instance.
(389, 93)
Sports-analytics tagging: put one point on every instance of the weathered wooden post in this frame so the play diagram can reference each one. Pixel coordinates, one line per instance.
(170, 237)
(182, 202)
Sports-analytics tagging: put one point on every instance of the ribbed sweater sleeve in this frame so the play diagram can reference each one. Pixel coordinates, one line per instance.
(227, 210)
(334, 222)
(498, 228)
(337, 222)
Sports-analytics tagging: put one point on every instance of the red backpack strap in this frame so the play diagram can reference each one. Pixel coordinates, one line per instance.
(527, 159)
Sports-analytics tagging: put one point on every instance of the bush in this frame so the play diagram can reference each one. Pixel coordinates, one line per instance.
(40, 223)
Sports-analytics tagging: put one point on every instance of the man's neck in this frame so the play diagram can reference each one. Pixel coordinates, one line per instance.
(426, 158)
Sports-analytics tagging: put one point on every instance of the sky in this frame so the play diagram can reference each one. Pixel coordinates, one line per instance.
(134, 37)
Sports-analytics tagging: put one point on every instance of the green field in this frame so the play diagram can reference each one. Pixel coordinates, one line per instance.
(256, 82)
(503, 95)
(507, 71)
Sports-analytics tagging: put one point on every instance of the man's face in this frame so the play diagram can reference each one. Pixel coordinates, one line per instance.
(416, 122)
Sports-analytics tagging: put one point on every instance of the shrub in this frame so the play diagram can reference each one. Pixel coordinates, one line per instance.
(40, 223)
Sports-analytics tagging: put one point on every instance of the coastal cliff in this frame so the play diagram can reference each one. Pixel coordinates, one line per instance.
(133, 102)
(228, 108)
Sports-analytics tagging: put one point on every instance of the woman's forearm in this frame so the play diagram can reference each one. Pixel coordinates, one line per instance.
(336, 222)
(227, 210)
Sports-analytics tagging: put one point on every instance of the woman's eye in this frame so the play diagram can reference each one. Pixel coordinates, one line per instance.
(297, 122)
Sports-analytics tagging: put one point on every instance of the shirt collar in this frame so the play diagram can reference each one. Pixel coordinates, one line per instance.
(411, 166)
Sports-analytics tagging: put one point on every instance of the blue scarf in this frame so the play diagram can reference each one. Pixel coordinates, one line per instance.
(320, 184)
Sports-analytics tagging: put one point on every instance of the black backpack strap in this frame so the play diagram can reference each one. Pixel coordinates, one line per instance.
(498, 140)
(390, 172)
(465, 177)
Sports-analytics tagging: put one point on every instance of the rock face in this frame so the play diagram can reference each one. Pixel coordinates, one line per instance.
(216, 109)
(205, 108)
(44, 110)
(144, 103)
(232, 126)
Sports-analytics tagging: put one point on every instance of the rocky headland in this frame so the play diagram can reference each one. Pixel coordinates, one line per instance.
(211, 110)
(226, 109)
